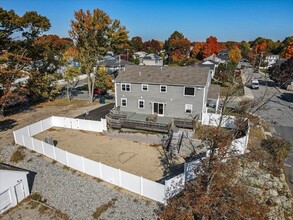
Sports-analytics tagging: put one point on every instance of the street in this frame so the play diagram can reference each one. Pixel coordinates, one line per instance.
(275, 106)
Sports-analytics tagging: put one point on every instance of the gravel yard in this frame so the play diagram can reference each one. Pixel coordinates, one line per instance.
(77, 195)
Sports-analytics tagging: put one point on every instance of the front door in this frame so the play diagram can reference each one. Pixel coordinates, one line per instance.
(158, 108)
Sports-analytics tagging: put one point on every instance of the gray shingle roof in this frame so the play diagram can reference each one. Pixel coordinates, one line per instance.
(4, 166)
(169, 75)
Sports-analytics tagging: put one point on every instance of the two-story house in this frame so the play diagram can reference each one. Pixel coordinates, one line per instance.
(271, 60)
(164, 92)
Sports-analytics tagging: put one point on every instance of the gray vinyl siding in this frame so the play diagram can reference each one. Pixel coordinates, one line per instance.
(174, 99)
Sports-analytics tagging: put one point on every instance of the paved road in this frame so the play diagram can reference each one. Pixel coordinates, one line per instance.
(276, 107)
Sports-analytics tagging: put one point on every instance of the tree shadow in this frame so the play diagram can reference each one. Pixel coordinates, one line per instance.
(288, 97)
(7, 124)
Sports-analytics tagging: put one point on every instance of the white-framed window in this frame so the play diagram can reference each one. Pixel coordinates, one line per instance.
(126, 87)
(144, 87)
(141, 104)
(163, 88)
(188, 108)
(123, 102)
(189, 91)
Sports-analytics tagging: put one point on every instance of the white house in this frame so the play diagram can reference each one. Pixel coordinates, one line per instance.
(151, 60)
(13, 186)
(271, 59)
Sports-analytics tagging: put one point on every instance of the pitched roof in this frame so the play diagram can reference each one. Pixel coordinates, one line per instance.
(4, 166)
(211, 66)
(169, 75)
(110, 61)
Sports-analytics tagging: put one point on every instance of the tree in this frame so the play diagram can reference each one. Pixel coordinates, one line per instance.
(136, 43)
(245, 49)
(288, 51)
(151, 46)
(117, 37)
(197, 50)
(104, 80)
(282, 73)
(90, 33)
(235, 54)
(210, 47)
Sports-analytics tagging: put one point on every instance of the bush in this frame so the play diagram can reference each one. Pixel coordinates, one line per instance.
(278, 148)
(18, 155)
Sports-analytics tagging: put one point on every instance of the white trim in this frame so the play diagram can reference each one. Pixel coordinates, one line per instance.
(147, 87)
(161, 88)
(141, 100)
(189, 87)
(126, 84)
(116, 101)
(121, 102)
(191, 109)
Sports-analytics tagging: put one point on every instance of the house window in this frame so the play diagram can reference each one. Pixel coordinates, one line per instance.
(189, 91)
(125, 87)
(141, 104)
(163, 88)
(188, 108)
(124, 102)
(144, 87)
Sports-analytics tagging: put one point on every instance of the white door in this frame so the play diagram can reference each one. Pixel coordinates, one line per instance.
(19, 191)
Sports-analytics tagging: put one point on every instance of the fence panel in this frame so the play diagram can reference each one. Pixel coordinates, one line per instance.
(57, 121)
(130, 182)
(110, 174)
(153, 190)
(67, 122)
(35, 128)
(95, 126)
(61, 156)
(47, 123)
(75, 123)
(75, 161)
(49, 150)
(92, 168)
(28, 142)
(84, 124)
(189, 169)
(38, 146)
(18, 138)
(174, 186)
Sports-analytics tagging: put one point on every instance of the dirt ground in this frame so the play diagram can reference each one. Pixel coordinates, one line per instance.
(59, 107)
(137, 158)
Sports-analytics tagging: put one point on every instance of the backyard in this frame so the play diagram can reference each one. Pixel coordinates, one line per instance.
(138, 158)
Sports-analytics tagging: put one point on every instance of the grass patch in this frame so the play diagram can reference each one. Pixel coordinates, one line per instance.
(255, 136)
(18, 155)
(98, 179)
(103, 208)
(38, 197)
(53, 162)
(65, 102)
(265, 127)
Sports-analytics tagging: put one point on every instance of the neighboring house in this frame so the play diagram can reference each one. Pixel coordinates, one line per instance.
(139, 54)
(212, 65)
(271, 60)
(221, 57)
(164, 91)
(113, 64)
(13, 186)
(151, 60)
(213, 100)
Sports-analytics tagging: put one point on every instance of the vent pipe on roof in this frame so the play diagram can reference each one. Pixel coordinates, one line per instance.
(139, 73)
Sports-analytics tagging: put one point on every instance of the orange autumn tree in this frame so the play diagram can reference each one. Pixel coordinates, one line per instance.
(197, 50)
(288, 51)
(210, 47)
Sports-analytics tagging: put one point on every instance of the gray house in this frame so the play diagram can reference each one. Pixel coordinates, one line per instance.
(165, 91)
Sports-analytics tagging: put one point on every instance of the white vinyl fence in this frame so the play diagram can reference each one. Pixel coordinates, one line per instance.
(133, 183)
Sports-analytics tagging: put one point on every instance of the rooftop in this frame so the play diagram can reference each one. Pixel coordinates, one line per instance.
(169, 75)
(214, 91)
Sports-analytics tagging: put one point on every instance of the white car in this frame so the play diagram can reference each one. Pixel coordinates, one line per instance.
(255, 84)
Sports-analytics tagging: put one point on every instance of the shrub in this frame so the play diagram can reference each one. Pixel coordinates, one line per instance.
(18, 155)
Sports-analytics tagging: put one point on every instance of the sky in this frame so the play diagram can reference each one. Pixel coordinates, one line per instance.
(234, 20)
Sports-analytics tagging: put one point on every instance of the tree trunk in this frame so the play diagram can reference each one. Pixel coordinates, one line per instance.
(67, 91)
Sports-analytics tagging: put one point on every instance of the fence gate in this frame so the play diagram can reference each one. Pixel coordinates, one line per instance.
(19, 191)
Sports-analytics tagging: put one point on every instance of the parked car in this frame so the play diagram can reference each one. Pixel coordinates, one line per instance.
(98, 91)
(255, 84)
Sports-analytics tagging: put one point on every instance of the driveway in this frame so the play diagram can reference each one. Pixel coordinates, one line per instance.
(97, 113)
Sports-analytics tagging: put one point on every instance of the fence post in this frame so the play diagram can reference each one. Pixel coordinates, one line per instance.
(82, 161)
(33, 144)
(14, 136)
(119, 177)
(141, 186)
(28, 131)
(66, 158)
(23, 140)
(100, 167)
(43, 148)
(54, 152)
(42, 126)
